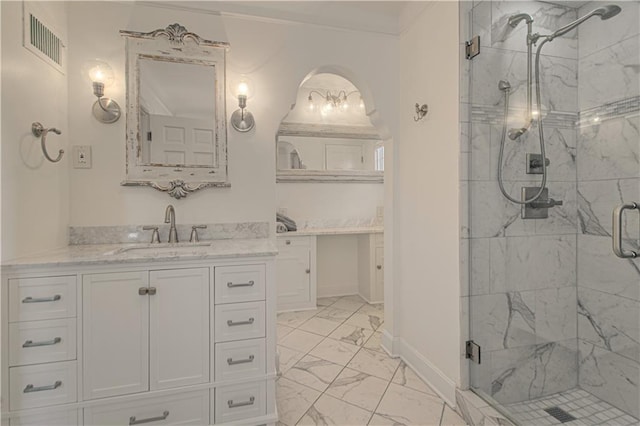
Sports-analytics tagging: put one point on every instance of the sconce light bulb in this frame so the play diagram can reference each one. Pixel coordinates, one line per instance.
(243, 88)
(361, 103)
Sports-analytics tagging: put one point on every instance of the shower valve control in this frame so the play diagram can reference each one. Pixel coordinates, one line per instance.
(534, 164)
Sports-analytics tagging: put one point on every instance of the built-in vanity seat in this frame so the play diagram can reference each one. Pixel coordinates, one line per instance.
(98, 335)
(297, 264)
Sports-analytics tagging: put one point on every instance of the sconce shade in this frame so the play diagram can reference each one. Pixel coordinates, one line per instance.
(98, 71)
(243, 86)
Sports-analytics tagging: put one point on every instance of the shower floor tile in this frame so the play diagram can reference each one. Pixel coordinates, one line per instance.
(586, 408)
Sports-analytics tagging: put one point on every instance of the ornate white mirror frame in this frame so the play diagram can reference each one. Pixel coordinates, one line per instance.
(175, 44)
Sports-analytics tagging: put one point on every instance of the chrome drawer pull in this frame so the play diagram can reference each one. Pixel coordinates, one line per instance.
(41, 299)
(230, 361)
(240, 404)
(249, 284)
(133, 421)
(231, 323)
(31, 388)
(32, 344)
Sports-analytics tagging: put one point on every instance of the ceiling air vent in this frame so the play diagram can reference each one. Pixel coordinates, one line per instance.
(42, 40)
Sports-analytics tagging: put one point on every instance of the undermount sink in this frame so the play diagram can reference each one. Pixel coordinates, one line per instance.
(163, 248)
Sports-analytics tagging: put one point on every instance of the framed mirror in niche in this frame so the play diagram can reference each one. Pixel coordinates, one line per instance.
(176, 120)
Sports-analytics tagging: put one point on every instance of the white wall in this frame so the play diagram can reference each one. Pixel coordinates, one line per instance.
(277, 61)
(35, 192)
(426, 200)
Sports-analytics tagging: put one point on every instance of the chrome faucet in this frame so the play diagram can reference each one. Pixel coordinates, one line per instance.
(170, 217)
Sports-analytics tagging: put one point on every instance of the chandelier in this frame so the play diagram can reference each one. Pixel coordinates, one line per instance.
(333, 102)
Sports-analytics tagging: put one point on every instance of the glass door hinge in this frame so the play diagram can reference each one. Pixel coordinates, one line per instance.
(472, 47)
(473, 351)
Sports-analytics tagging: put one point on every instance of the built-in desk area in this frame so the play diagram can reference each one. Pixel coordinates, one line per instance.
(324, 262)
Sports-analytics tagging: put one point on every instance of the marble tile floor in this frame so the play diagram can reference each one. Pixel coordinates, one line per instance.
(332, 371)
(586, 408)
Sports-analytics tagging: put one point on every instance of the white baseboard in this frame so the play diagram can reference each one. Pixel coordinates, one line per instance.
(429, 373)
(335, 290)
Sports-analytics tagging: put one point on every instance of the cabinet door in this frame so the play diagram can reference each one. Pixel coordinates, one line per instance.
(378, 289)
(179, 327)
(293, 275)
(115, 334)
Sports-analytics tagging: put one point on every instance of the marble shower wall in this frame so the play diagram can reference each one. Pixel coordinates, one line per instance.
(522, 273)
(608, 174)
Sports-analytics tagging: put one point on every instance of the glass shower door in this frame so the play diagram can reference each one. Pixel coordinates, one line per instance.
(555, 311)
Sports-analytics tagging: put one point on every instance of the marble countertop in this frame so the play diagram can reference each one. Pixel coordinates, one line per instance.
(102, 254)
(335, 231)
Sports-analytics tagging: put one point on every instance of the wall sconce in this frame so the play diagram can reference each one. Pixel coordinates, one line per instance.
(241, 119)
(338, 102)
(105, 110)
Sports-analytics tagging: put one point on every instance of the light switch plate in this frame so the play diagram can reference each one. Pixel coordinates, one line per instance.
(81, 157)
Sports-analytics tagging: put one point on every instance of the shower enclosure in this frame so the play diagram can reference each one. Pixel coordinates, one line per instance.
(555, 312)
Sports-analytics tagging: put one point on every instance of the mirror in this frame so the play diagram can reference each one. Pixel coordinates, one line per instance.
(176, 132)
(327, 136)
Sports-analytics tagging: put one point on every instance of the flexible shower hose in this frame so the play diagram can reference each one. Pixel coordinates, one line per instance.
(543, 184)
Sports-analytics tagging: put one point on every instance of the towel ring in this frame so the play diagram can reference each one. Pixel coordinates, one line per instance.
(39, 131)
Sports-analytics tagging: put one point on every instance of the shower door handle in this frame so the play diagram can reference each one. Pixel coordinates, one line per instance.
(617, 230)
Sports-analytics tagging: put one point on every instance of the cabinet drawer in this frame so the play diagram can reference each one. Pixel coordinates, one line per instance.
(284, 242)
(245, 283)
(57, 418)
(36, 342)
(238, 402)
(242, 359)
(42, 298)
(42, 385)
(189, 408)
(239, 321)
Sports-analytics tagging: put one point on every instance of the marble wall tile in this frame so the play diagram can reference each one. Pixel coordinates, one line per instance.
(465, 207)
(559, 75)
(556, 314)
(500, 321)
(600, 269)
(465, 137)
(533, 371)
(481, 22)
(609, 321)
(480, 255)
(480, 165)
(610, 150)
(562, 219)
(595, 34)
(532, 263)
(596, 201)
(465, 72)
(493, 215)
(560, 149)
(547, 18)
(610, 74)
(609, 376)
(464, 11)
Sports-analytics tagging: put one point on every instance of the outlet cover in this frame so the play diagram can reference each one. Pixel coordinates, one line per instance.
(380, 212)
(82, 157)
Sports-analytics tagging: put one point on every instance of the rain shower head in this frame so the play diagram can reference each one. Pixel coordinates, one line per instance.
(515, 19)
(604, 12)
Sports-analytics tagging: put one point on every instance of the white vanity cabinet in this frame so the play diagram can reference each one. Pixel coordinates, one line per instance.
(166, 342)
(158, 337)
(296, 272)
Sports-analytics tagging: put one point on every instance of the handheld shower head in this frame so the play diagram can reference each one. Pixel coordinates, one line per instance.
(608, 11)
(604, 12)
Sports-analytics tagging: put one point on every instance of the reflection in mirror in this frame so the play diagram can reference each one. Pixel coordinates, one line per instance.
(177, 113)
(327, 136)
